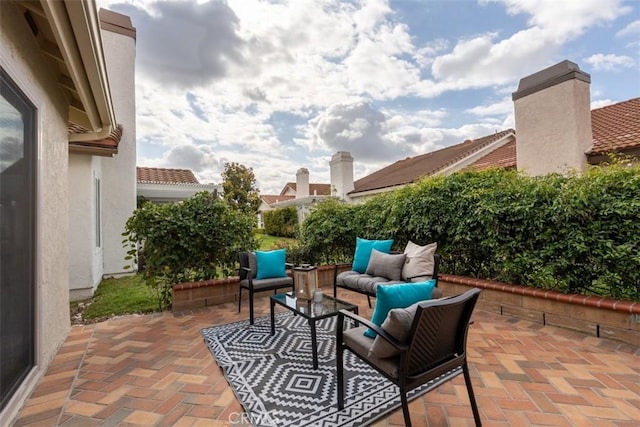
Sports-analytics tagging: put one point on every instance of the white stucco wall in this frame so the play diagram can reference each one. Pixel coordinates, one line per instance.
(85, 264)
(21, 58)
(119, 171)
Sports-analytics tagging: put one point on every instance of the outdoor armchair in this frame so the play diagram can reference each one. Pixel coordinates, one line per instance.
(433, 348)
(253, 281)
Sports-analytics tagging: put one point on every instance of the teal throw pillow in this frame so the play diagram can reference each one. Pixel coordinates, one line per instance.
(401, 295)
(363, 252)
(271, 264)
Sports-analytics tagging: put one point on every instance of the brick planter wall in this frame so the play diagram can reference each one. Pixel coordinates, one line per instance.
(600, 317)
(597, 316)
(218, 291)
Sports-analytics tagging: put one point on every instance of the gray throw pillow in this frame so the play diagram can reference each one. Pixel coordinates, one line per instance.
(419, 262)
(385, 265)
(397, 324)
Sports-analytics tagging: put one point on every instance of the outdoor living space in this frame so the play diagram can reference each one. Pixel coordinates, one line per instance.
(156, 370)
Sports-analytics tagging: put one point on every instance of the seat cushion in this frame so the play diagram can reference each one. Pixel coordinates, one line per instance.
(419, 263)
(398, 296)
(357, 342)
(385, 265)
(363, 252)
(267, 284)
(361, 282)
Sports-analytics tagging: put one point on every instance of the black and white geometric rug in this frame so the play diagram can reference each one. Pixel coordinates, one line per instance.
(273, 376)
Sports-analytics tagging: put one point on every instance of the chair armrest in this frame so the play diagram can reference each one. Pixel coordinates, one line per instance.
(377, 329)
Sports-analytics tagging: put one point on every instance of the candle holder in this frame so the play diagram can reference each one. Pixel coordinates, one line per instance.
(305, 279)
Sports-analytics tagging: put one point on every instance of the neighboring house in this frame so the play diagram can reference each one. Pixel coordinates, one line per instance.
(300, 194)
(160, 185)
(556, 132)
(67, 127)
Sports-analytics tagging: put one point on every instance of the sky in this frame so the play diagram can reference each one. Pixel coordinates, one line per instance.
(278, 85)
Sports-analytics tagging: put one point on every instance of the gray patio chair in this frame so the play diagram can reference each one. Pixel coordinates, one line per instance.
(248, 272)
(435, 347)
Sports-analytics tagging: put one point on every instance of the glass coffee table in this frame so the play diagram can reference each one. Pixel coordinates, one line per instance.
(310, 310)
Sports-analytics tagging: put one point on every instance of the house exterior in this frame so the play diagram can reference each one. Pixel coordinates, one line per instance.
(63, 125)
(573, 136)
(102, 192)
(164, 185)
(300, 194)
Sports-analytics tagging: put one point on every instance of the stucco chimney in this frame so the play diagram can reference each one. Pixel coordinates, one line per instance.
(341, 174)
(302, 183)
(553, 120)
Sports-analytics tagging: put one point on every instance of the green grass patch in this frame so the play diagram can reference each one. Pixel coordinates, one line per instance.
(267, 242)
(115, 297)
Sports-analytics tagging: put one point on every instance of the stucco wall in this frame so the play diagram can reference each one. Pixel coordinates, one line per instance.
(85, 264)
(21, 58)
(119, 171)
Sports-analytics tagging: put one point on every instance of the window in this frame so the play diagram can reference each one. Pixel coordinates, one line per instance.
(17, 236)
(98, 207)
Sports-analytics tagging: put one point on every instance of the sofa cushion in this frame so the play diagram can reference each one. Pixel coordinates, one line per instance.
(363, 252)
(361, 282)
(419, 262)
(385, 265)
(271, 264)
(398, 296)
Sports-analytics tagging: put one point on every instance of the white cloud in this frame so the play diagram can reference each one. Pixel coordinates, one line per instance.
(631, 30)
(609, 62)
(502, 107)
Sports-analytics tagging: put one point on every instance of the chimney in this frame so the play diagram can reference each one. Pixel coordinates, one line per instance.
(302, 183)
(341, 174)
(553, 120)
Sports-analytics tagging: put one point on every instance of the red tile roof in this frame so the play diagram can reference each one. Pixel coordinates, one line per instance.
(616, 127)
(501, 157)
(317, 189)
(271, 199)
(165, 176)
(412, 169)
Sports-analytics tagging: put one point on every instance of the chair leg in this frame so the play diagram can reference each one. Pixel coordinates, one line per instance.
(250, 307)
(405, 407)
(340, 375)
(369, 300)
(239, 299)
(472, 398)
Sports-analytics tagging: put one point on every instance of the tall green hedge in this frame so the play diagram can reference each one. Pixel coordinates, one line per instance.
(282, 222)
(578, 234)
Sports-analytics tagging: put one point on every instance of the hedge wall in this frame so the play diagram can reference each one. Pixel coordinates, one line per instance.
(577, 234)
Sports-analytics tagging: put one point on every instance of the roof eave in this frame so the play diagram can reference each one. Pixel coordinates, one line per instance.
(76, 28)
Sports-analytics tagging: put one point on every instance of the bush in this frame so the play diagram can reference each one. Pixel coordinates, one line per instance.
(194, 240)
(281, 222)
(577, 234)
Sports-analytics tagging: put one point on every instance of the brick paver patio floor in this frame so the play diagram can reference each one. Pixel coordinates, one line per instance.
(155, 370)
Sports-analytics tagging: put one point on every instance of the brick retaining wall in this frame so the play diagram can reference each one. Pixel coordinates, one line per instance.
(601, 317)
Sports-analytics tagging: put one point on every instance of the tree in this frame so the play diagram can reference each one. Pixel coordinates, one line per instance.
(239, 185)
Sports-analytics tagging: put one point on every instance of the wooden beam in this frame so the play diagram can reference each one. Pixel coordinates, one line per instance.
(33, 6)
(67, 83)
(52, 50)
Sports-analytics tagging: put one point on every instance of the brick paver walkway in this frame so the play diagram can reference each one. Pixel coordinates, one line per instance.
(155, 370)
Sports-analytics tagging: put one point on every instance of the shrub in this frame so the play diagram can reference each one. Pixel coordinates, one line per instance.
(194, 240)
(281, 222)
(576, 234)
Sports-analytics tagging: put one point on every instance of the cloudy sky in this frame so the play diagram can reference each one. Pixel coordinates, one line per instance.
(277, 85)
